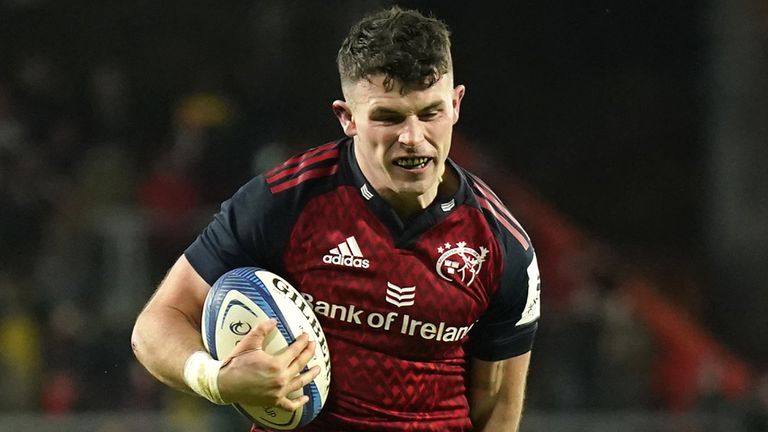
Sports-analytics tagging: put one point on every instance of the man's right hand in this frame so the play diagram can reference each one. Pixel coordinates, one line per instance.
(250, 376)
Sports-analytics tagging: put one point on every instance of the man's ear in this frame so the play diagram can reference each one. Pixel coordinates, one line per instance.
(343, 112)
(458, 95)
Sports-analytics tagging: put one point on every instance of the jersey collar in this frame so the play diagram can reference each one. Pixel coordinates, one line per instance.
(434, 213)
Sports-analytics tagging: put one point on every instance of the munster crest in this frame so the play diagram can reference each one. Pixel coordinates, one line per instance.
(459, 262)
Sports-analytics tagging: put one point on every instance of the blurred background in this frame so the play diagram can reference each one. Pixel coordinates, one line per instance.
(629, 137)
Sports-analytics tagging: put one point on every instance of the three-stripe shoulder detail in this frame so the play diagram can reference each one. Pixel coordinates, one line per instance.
(490, 202)
(319, 162)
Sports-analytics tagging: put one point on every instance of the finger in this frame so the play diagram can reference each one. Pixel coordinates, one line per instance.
(301, 380)
(254, 340)
(301, 360)
(294, 349)
(292, 404)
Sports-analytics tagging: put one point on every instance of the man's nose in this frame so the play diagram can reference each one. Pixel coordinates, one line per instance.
(412, 132)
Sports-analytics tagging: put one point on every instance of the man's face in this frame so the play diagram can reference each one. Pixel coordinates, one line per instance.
(401, 140)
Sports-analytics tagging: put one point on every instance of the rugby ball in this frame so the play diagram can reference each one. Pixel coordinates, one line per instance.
(244, 297)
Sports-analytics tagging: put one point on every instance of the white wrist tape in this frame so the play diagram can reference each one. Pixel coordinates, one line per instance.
(201, 373)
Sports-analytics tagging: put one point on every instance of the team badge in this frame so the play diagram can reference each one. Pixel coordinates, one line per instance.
(459, 262)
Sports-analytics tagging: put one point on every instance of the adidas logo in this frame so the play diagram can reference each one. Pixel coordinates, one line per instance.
(347, 254)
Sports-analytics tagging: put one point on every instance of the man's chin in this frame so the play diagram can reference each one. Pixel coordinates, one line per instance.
(412, 189)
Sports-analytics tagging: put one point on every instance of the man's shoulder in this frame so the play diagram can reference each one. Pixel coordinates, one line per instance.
(289, 185)
(307, 168)
(496, 211)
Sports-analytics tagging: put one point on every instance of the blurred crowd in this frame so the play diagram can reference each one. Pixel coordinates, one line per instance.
(90, 217)
(98, 197)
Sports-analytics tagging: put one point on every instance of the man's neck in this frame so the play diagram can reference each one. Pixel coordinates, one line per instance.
(407, 206)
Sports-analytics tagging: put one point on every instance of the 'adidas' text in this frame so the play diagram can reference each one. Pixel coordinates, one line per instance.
(347, 261)
(347, 254)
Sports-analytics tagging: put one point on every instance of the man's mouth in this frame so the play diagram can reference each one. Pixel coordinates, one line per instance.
(412, 162)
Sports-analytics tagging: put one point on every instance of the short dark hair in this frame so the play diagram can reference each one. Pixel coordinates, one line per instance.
(401, 44)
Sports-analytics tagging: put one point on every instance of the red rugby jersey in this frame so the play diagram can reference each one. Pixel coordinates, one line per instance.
(403, 304)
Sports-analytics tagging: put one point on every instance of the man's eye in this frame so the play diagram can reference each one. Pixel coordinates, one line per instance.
(390, 120)
(428, 115)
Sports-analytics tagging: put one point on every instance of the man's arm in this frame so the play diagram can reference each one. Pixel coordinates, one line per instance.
(496, 393)
(167, 332)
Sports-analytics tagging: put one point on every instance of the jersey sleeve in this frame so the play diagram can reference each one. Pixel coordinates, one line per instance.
(508, 327)
(240, 234)
(252, 228)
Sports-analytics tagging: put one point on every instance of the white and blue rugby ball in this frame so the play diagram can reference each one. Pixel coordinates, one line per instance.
(246, 296)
